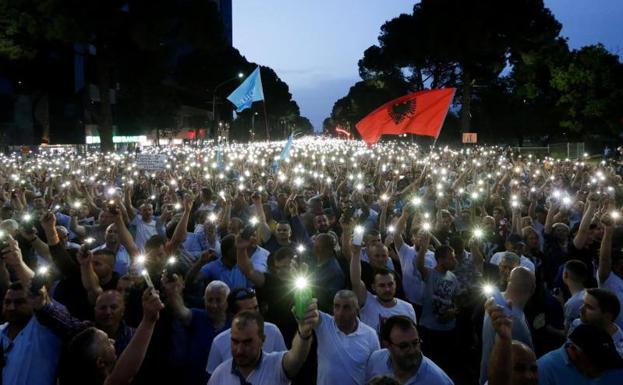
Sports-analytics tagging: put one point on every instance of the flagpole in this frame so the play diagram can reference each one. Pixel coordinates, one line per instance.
(266, 120)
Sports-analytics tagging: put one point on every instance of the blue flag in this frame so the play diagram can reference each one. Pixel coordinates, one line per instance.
(248, 92)
(284, 153)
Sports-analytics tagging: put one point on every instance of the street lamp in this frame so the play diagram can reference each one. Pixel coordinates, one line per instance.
(240, 75)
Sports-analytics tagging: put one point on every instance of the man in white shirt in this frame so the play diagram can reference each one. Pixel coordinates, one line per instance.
(375, 309)
(403, 359)
(344, 343)
(250, 365)
(239, 300)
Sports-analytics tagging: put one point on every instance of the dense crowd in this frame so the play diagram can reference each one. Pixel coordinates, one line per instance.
(324, 262)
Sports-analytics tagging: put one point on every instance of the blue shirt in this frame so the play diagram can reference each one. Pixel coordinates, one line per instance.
(196, 243)
(555, 368)
(32, 357)
(191, 346)
(216, 270)
(122, 259)
(380, 363)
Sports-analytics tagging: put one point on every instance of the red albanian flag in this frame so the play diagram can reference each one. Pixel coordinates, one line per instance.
(420, 113)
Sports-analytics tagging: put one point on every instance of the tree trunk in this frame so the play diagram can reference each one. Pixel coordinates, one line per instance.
(466, 102)
(104, 125)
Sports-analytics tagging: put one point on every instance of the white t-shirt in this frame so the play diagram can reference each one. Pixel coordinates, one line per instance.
(523, 261)
(342, 357)
(412, 282)
(615, 284)
(269, 371)
(374, 314)
(221, 346)
(259, 259)
(144, 231)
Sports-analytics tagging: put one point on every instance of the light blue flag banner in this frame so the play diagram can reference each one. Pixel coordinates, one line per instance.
(248, 92)
(284, 153)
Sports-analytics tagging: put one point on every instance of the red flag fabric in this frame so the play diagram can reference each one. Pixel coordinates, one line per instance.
(420, 113)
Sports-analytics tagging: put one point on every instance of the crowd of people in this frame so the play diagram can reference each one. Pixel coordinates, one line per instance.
(318, 262)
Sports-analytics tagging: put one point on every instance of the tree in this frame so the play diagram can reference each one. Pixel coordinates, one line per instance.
(591, 92)
(459, 43)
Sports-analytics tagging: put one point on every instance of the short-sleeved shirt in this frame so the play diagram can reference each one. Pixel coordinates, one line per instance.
(555, 368)
(268, 371)
(143, 230)
(221, 346)
(428, 373)
(614, 283)
(439, 292)
(342, 357)
(617, 337)
(374, 314)
(412, 281)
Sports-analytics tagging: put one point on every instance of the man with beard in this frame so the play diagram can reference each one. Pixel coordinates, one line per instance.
(251, 365)
(344, 343)
(375, 309)
(403, 358)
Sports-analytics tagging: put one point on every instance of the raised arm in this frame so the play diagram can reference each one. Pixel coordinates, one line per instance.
(549, 219)
(244, 263)
(125, 237)
(500, 366)
(355, 275)
(181, 229)
(400, 229)
(263, 228)
(132, 357)
(294, 359)
(583, 232)
(605, 251)
(174, 301)
(128, 203)
(89, 279)
(12, 256)
(422, 248)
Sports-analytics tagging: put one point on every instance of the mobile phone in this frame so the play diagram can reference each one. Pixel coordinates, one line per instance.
(358, 236)
(302, 296)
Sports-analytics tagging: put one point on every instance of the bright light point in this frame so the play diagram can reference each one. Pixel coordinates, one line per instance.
(212, 217)
(27, 217)
(566, 201)
(416, 201)
(615, 215)
(43, 270)
(144, 272)
(300, 248)
(426, 226)
(111, 191)
(301, 283)
(384, 197)
(141, 259)
(177, 206)
(359, 229)
(240, 75)
(514, 204)
(391, 229)
(488, 289)
(89, 240)
(254, 221)
(172, 260)
(152, 197)
(77, 204)
(478, 233)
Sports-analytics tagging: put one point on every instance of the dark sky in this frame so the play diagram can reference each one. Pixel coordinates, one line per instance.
(314, 45)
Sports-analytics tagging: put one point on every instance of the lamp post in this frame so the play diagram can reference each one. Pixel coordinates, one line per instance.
(240, 75)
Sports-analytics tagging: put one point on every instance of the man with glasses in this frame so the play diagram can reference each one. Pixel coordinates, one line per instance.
(403, 358)
(238, 300)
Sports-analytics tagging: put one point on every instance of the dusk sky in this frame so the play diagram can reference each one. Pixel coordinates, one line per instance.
(314, 46)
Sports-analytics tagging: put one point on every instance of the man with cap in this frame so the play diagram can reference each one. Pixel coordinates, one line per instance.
(514, 244)
(589, 357)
